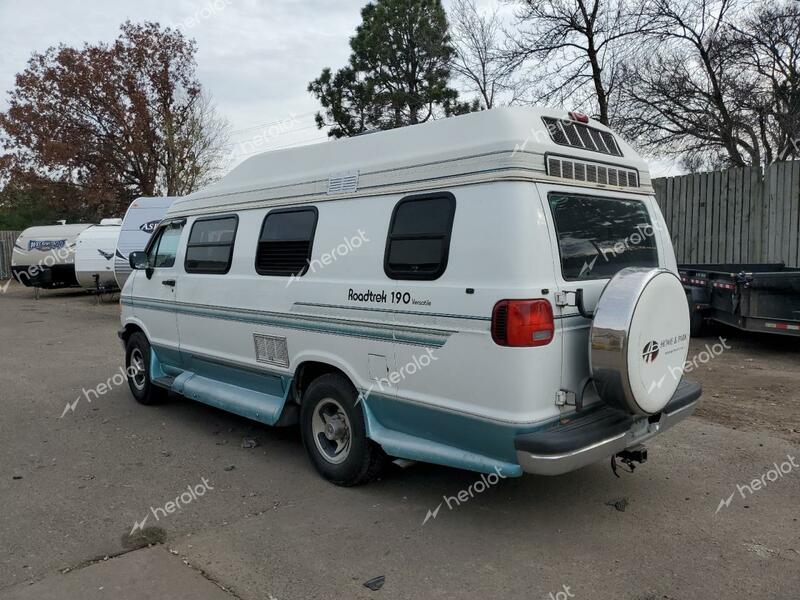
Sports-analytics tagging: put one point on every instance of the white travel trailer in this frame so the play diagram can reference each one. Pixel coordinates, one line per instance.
(495, 292)
(45, 256)
(140, 221)
(94, 255)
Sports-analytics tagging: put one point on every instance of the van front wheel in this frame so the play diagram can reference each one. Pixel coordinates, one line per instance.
(334, 433)
(137, 368)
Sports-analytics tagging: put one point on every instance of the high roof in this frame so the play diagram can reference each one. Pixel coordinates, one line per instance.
(506, 140)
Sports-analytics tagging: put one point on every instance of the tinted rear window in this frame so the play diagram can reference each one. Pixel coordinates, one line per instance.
(597, 237)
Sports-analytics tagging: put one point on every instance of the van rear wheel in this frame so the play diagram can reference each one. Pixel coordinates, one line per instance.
(335, 435)
(137, 369)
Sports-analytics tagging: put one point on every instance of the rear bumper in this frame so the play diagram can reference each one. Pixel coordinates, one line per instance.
(599, 434)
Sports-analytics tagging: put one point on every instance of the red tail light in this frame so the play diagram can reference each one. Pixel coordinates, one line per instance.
(579, 117)
(522, 323)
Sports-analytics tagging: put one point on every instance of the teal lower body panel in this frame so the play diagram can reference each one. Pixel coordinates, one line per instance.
(411, 447)
(403, 429)
(253, 394)
(467, 433)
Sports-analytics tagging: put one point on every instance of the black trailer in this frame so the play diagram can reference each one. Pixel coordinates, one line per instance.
(752, 297)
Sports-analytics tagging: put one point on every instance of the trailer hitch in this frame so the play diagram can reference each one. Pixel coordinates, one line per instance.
(629, 458)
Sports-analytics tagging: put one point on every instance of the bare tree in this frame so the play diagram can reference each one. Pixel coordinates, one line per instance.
(718, 87)
(769, 43)
(576, 49)
(479, 60)
(194, 144)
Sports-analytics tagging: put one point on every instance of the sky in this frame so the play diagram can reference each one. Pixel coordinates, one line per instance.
(254, 58)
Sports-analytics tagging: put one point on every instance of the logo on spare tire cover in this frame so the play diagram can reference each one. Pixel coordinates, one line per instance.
(650, 351)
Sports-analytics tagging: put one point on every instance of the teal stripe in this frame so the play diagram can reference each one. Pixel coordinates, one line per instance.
(397, 312)
(404, 335)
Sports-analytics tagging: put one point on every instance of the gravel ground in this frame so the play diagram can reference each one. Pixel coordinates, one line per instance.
(267, 527)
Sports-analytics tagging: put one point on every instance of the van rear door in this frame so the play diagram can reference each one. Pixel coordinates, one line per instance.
(595, 234)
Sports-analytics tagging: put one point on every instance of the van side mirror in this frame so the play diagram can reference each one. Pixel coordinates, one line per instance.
(138, 261)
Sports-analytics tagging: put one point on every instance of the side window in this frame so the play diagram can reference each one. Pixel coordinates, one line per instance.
(419, 237)
(210, 245)
(285, 243)
(165, 246)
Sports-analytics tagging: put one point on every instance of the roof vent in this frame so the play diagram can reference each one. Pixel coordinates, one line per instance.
(342, 183)
(589, 172)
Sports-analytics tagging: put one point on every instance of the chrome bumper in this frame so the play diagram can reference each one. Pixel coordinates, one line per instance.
(640, 430)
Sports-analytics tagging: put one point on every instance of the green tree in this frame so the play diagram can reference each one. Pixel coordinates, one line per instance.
(398, 74)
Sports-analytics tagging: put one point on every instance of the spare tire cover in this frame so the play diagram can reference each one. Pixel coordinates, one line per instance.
(639, 340)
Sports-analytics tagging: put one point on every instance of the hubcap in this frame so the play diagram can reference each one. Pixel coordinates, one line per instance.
(332, 431)
(138, 374)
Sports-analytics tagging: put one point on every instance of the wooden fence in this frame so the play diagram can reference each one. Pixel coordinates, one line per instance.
(745, 214)
(7, 239)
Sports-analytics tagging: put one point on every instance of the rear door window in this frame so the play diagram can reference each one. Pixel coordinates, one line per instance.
(597, 236)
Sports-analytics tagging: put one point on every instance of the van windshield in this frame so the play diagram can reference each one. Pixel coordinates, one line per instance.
(597, 237)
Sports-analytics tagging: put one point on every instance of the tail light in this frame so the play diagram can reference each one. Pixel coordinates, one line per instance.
(522, 323)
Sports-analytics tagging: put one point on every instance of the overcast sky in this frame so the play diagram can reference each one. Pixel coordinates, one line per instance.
(255, 58)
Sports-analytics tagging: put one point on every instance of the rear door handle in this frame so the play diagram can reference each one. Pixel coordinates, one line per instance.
(169, 282)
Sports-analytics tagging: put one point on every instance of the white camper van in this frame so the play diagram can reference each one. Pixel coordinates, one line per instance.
(94, 255)
(139, 223)
(45, 256)
(495, 292)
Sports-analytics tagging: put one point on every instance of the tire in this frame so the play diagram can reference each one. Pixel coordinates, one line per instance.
(335, 435)
(137, 358)
(697, 322)
(697, 325)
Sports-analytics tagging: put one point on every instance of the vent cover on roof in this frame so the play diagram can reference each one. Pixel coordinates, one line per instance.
(569, 133)
(341, 183)
(271, 349)
(589, 172)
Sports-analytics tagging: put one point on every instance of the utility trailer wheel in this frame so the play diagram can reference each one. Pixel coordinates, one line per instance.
(137, 369)
(697, 322)
(335, 435)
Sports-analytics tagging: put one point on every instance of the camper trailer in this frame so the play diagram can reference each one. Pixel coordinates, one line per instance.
(141, 219)
(45, 256)
(94, 255)
(495, 292)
